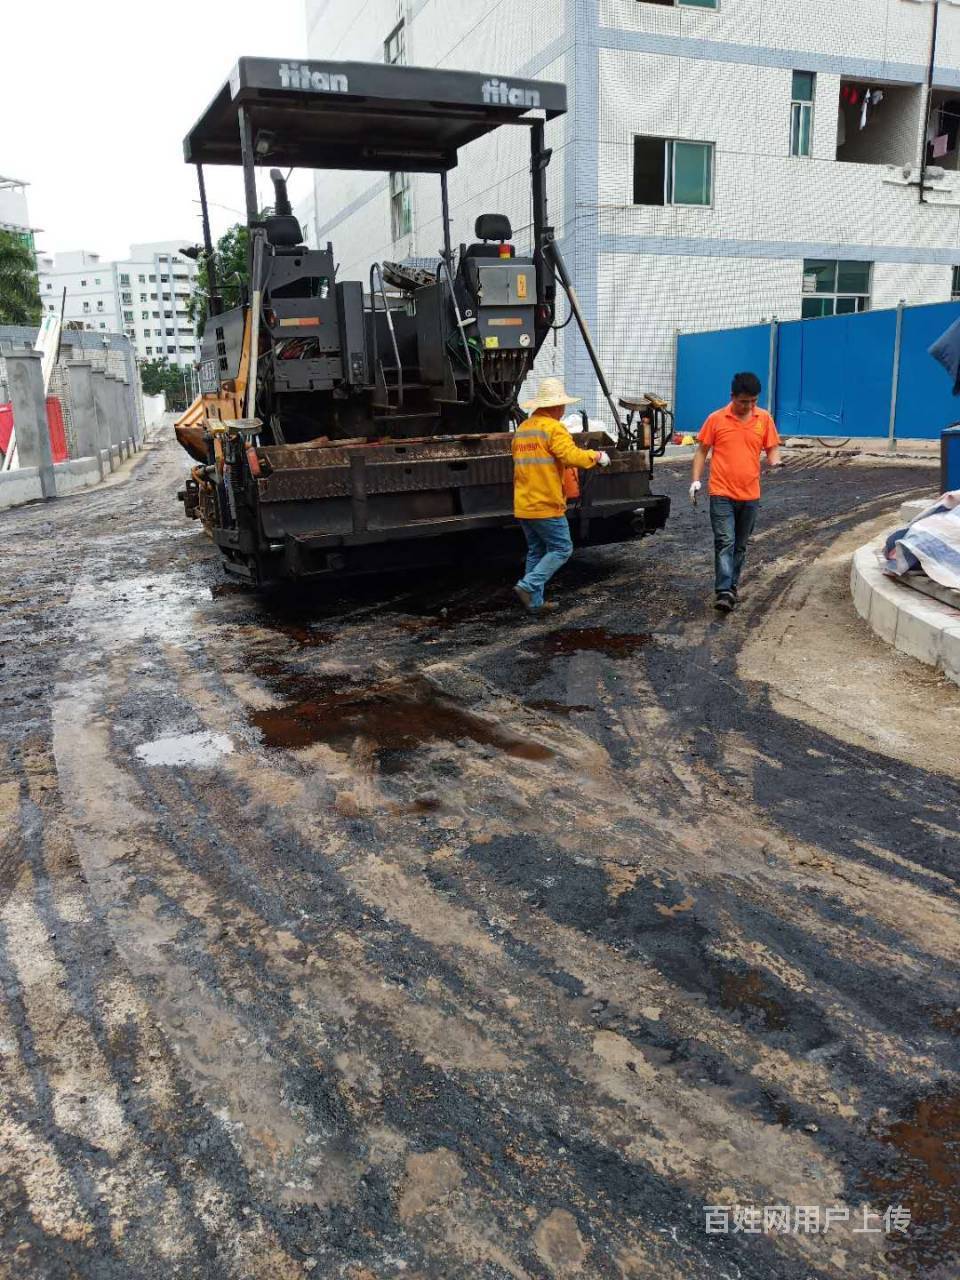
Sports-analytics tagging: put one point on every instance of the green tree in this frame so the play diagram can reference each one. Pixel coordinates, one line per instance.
(19, 291)
(161, 377)
(232, 274)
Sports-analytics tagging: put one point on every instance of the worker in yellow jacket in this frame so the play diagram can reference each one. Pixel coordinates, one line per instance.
(542, 449)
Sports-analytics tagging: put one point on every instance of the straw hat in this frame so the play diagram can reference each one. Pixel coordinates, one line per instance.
(550, 393)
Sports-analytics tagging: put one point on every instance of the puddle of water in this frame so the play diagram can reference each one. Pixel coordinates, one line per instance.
(745, 993)
(396, 721)
(613, 644)
(129, 609)
(927, 1182)
(555, 708)
(198, 749)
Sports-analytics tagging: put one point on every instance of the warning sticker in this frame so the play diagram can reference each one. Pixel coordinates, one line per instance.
(491, 343)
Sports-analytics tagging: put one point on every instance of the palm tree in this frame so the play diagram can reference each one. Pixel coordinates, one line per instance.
(19, 294)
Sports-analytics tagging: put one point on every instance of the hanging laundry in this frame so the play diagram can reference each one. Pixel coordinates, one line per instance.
(865, 111)
(950, 122)
(940, 146)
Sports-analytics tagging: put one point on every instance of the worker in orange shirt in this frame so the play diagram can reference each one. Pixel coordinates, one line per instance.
(733, 439)
(542, 449)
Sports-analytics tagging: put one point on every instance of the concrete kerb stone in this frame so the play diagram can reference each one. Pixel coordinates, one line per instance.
(911, 511)
(925, 629)
(20, 486)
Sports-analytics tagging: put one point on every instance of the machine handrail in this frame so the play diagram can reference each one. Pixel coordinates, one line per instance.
(444, 265)
(375, 270)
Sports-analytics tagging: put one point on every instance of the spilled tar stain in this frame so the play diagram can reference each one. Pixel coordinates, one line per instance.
(613, 644)
(395, 719)
(746, 993)
(926, 1181)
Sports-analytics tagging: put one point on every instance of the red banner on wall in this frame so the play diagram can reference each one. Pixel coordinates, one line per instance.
(6, 426)
(58, 431)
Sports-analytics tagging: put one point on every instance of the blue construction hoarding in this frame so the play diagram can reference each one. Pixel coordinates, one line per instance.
(838, 376)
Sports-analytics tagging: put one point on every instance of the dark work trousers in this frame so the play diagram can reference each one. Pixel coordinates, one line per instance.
(732, 526)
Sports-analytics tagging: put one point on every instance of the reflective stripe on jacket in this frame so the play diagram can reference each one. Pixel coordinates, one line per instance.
(542, 447)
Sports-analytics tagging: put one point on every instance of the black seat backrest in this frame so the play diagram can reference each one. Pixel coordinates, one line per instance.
(283, 230)
(490, 226)
(493, 226)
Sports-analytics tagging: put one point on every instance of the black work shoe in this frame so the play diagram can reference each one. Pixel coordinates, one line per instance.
(726, 601)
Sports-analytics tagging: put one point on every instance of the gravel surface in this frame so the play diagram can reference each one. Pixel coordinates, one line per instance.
(380, 930)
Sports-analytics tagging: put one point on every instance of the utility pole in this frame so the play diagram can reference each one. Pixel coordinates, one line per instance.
(931, 76)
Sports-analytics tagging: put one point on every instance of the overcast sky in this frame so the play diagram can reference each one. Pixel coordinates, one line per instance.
(95, 99)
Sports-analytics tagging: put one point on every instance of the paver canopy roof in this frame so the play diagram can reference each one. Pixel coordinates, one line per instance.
(360, 115)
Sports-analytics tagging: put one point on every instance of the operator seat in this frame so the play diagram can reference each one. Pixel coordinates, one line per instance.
(283, 231)
(488, 227)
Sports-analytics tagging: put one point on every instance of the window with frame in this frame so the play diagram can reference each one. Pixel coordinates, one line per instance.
(401, 213)
(801, 113)
(395, 46)
(124, 279)
(835, 288)
(955, 288)
(141, 279)
(686, 4)
(128, 316)
(672, 171)
(149, 350)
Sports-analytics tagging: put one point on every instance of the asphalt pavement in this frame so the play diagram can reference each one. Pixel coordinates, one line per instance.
(381, 930)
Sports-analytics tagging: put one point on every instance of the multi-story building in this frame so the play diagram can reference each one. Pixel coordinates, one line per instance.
(14, 216)
(145, 296)
(722, 161)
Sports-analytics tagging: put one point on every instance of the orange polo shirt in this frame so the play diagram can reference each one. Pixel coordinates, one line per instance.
(737, 444)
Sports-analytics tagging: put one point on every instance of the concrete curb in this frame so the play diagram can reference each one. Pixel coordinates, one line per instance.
(924, 628)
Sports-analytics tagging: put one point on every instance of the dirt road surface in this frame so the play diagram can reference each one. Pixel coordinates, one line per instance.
(388, 932)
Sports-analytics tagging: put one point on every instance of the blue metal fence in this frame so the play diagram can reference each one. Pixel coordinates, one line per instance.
(837, 376)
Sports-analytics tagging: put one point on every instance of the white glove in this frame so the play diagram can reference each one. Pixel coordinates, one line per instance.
(695, 491)
(603, 459)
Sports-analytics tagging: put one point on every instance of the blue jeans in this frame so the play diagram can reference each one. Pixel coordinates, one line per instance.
(732, 526)
(549, 547)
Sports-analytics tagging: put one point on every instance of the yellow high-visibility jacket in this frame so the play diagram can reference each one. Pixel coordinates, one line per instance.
(542, 447)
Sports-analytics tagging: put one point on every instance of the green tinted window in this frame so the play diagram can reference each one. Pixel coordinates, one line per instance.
(699, 4)
(815, 308)
(692, 170)
(853, 277)
(803, 82)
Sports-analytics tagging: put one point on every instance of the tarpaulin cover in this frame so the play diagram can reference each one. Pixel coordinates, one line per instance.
(933, 540)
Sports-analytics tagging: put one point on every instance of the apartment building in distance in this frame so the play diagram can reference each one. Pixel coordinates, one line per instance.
(144, 296)
(722, 161)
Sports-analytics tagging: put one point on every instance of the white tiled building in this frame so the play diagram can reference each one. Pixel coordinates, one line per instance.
(712, 169)
(144, 296)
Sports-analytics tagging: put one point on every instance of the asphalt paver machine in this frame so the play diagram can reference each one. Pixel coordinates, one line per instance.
(346, 426)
